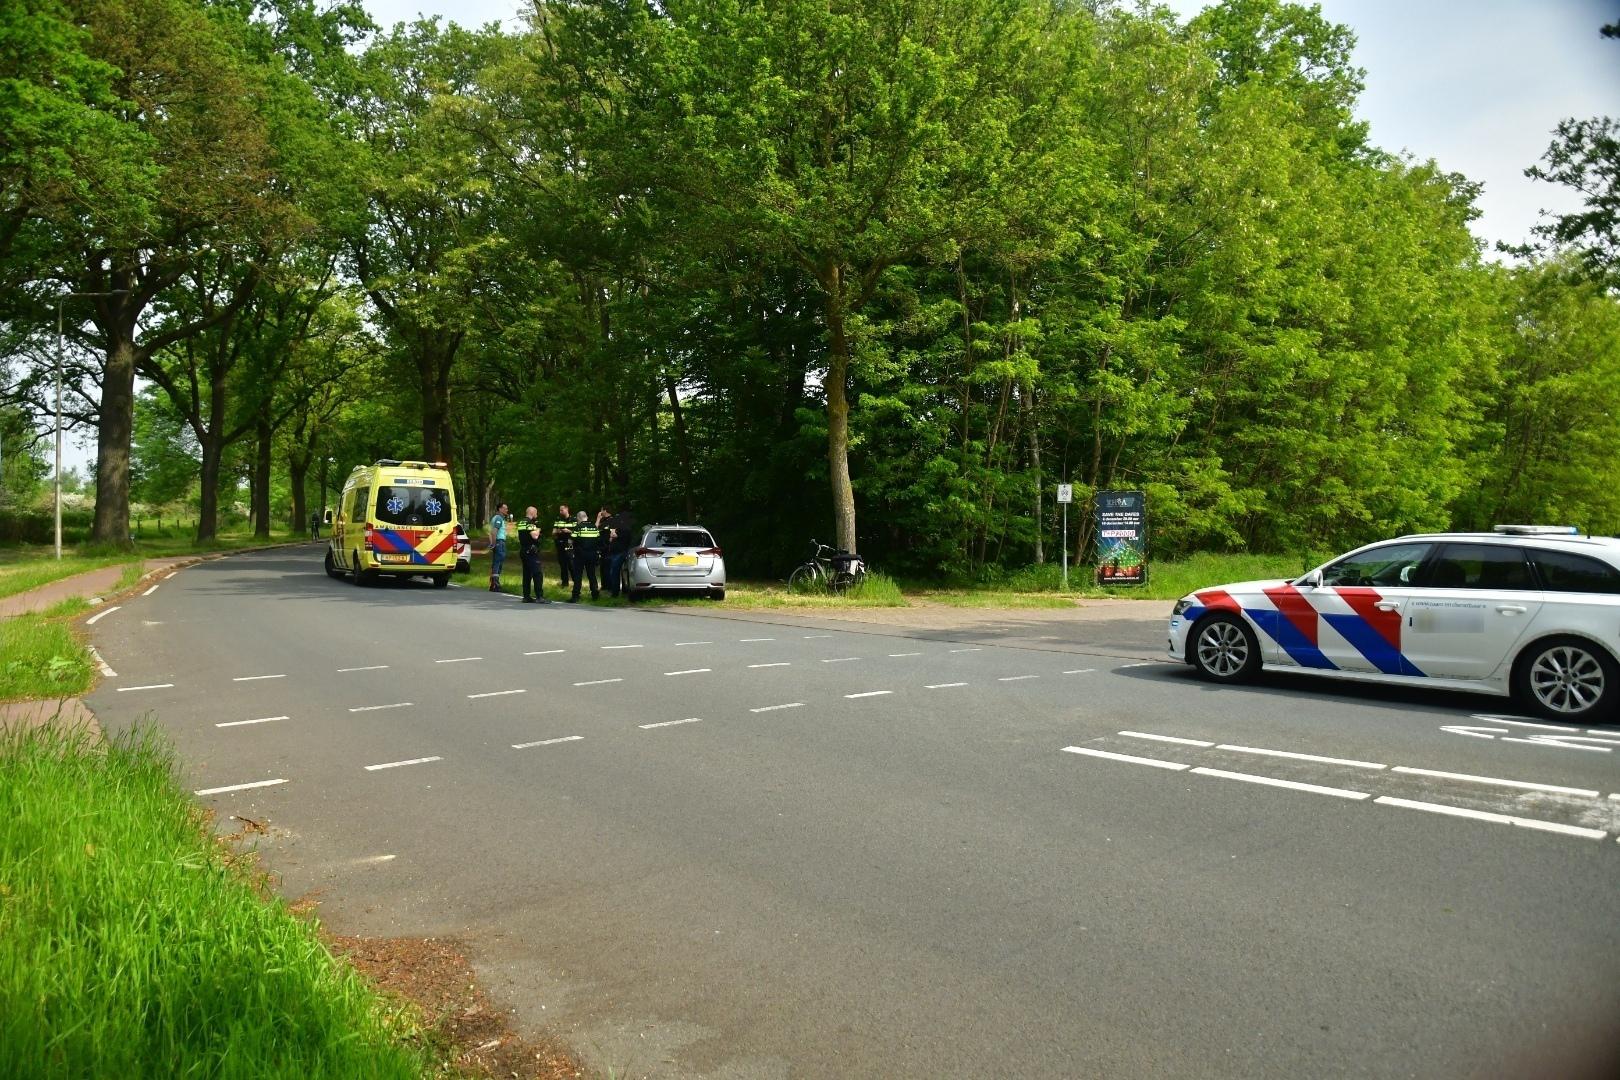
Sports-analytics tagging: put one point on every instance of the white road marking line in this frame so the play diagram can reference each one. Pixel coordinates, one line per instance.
(690, 671)
(840, 659)
(547, 742)
(1350, 762)
(98, 616)
(905, 654)
(773, 708)
(150, 591)
(1496, 781)
(756, 639)
(975, 648)
(1081, 671)
(597, 682)
(458, 660)
(374, 708)
(170, 574)
(397, 764)
(1016, 678)
(256, 678)
(691, 643)
(237, 787)
(943, 685)
(1157, 763)
(153, 686)
(102, 664)
(1165, 738)
(1484, 815)
(1292, 785)
(1146, 663)
(494, 693)
(1473, 732)
(1492, 718)
(372, 860)
(671, 723)
(807, 637)
(544, 652)
(779, 663)
(1558, 741)
(622, 646)
(373, 667)
(1616, 795)
(260, 720)
(869, 693)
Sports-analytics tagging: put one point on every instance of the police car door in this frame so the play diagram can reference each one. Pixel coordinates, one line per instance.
(1361, 603)
(1477, 603)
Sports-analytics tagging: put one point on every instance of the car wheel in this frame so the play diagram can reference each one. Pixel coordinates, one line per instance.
(332, 569)
(1224, 649)
(717, 594)
(1567, 678)
(441, 581)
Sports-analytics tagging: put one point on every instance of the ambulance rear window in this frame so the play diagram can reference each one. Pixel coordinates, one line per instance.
(398, 505)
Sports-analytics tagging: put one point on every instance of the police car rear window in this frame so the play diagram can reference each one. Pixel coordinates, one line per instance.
(681, 538)
(398, 505)
(1562, 571)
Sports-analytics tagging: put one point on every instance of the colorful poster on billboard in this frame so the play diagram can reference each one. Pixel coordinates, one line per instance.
(1121, 538)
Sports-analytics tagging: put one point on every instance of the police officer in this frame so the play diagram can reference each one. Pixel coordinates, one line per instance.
(528, 530)
(562, 537)
(586, 537)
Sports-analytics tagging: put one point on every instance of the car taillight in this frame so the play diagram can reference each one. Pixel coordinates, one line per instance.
(710, 551)
(642, 552)
(370, 541)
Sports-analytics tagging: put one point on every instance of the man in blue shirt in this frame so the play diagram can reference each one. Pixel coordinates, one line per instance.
(497, 547)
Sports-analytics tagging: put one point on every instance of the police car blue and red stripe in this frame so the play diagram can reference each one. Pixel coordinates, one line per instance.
(1528, 611)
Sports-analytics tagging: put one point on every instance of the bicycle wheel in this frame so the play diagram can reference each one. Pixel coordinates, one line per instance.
(806, 578)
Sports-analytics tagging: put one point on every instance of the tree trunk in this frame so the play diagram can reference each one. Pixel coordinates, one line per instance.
(843, 493)
(261, 481)
(208, 496)
(683, 449)
(113, 432)
(297, 469)
(1039, 508)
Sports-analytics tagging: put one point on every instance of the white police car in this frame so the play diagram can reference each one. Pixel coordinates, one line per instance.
(1531, 611)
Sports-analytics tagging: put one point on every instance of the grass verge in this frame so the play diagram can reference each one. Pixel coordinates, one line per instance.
(133, 944)
(42, 657)
(28, 566)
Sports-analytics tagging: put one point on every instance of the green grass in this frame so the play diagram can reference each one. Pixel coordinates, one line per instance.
(133, 945)
(41, 657)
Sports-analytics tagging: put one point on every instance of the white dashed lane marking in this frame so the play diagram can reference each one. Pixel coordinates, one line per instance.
(398, 764)
(544, 652)
(239, 787)
(1165, 738)
(98, 616)
(779, 663)
(773, 708)
(458, 660)
(1080, 671)
(622, 646)
(894, 654)
(256, 678)
(150, 591)
(1496, 781)
(597, 682)
(495, 693)
(840, 659)
(153, 686)
(374, 708)
(547, 742)
(690, 671)
(943, 685)
(1156, 763)
(260, 720)
(974, 649)
(688, 643)
(671, 723)
(869, 693)
(1294, 785)
(1351, 763)
(373, 667)
(809, 637)
(1016, 678)
(102, 664)
(756, 639)
(1499, 819)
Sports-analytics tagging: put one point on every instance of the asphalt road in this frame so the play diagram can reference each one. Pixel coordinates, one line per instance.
(699, 846)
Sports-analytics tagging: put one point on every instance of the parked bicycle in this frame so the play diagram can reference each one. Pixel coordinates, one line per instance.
(828, 569)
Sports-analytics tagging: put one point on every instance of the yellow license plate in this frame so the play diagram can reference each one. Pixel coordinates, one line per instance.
(681, 560)
(394, 558)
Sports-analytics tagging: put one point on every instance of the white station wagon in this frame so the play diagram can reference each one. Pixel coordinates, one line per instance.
(1531, 611)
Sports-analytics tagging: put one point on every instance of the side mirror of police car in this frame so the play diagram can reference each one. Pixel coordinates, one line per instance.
(1313, 580)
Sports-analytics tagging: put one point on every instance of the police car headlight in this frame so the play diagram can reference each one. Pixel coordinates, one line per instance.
(1181, 607)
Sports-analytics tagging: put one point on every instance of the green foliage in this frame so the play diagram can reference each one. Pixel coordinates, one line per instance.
(41, 657)
(131, 944)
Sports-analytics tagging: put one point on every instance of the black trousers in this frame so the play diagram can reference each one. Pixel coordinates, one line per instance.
(564, 558)
(585, 560)
(532, 574)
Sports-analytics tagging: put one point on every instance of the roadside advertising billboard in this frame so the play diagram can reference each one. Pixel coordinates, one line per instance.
(1121, 538)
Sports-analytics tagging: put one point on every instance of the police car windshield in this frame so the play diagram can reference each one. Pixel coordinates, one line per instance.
(421, 506)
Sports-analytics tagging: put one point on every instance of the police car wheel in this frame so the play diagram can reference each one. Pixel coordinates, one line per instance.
(1566, 678)
(1224, 649)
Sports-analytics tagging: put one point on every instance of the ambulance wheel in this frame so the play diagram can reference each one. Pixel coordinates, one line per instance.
(1224, 649)
(332, 569)
(441, 581)
(357, 575)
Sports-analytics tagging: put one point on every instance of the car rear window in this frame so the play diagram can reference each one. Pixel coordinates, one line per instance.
(400, 505)
(1479, 566)
(679, 538)
(1562, 571)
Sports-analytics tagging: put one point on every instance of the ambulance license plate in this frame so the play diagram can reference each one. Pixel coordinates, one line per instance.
(681, 560)
(394, 558)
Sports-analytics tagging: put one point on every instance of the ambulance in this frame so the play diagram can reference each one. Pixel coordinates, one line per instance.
(396, 518)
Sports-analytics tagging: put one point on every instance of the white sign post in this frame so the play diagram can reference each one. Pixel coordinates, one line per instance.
(1065, 497)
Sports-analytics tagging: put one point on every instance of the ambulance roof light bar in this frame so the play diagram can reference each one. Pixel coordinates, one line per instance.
(1539, 530)
(392, 463)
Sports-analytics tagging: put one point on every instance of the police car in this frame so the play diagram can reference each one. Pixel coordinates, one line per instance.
(1528, 611)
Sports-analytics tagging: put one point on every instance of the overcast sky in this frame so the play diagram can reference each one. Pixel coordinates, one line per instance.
(1477, 85)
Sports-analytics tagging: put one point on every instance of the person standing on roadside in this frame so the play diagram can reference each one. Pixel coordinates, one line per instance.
(604, 528)
(586, 537)
(620, 538)
(562, 536)
(497, 547)
(528, 530)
